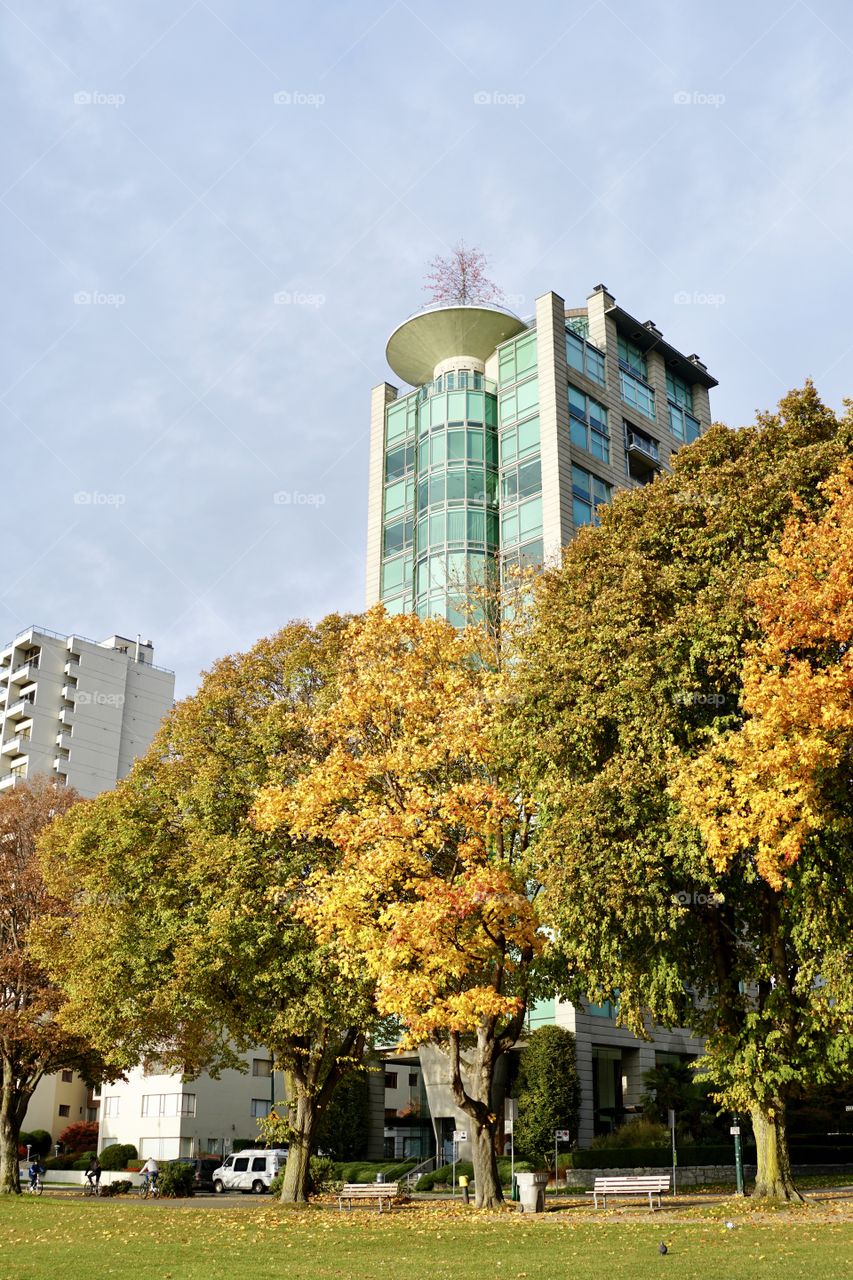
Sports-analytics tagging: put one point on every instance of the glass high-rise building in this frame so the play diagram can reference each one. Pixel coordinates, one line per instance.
(513, 434)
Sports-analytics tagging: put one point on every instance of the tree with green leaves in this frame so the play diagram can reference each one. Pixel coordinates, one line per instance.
(548, 1091)
(185, 941)
(34, 1042)
(632, 669)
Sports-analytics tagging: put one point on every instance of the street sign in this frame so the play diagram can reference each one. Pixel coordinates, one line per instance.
(563, 1135)
(510, 1108)
(460, 1135)
(734, 1130)
(508, 1126)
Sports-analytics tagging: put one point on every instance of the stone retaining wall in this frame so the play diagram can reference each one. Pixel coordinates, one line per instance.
(695, 1175)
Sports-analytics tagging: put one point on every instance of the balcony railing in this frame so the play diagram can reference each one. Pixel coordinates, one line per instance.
(643, 445)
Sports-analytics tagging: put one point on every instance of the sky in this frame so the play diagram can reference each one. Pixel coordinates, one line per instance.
(214, 212)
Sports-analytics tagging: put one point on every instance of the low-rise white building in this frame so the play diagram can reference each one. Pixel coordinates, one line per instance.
(164, 1116)
(78, 710)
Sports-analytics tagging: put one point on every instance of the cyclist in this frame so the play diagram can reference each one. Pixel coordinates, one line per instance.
(93, 1174)
(35, 1171)
(150, 1172)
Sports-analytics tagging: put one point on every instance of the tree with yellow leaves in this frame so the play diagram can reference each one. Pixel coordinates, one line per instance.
(432, 894)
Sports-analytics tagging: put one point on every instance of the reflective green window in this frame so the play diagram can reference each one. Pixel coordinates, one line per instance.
(528, 436)
(476, 526)
(396, 421)
(456, 486)
(588, 493)
(438, 447)
(396, 537)
(456, 406)
(436, 489)
(399, 461)
(397, 497)
(509, 446)
(456, 525)
(455, 446)
(475, 446)
(509, 528)
(529, 518)
(396, 575)
(476, 406)
(437, 413)
(517, 358)
(632, 357)
(491, 449)
(436, 529)
(584, 358)
(423, 456)
(679, 391)
(588, 424)
(476, 485)
(491, 411)
(423, 495)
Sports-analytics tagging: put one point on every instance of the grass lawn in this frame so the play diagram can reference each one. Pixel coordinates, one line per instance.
(65, 1239)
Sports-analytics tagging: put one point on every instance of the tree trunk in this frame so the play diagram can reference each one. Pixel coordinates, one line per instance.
(297, 1173)
(488, 1193)
(10, 1133)
(773, 1179)
(473, 1095)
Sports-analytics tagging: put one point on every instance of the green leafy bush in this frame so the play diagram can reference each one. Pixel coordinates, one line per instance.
(323, 1174)
(61, 1162)
(244, 1144)
(117, 1155)
(443, 1176)
(277, 1183)
(120, 1188)
(366, 1170)
(40, 1141)
(636, 1133)
(549, 1093)
(176, 1181)
(83, 1160)
(135, 1165)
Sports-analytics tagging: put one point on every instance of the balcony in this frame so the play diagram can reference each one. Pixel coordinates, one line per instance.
(60, 765)
(72, 666)
(69, 692)
(26, 671)
(66, 716)
(642, 453)
(63, 741)
(20, 710)
(12, 747)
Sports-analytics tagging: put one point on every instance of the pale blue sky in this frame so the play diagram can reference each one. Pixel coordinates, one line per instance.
(671, 150)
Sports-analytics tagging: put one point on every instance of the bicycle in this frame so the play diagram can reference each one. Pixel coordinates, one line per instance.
(149, 1188)
(36, 1185)
(91, 1187)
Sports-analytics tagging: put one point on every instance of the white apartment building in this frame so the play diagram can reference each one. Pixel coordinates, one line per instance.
(78, 710)
(166, 1117)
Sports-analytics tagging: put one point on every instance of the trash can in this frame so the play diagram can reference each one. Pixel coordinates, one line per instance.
(532, 1190)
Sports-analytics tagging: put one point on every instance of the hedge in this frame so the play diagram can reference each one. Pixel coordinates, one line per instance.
(443, 1176)
(117, 1155)
(366, 1170)
(826, 1151)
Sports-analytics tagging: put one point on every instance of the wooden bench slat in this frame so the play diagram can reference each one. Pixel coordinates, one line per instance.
(368, 1191)
(651, 1185)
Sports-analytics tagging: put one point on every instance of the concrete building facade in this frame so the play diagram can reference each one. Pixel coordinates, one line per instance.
(78, 710)
(513, 435)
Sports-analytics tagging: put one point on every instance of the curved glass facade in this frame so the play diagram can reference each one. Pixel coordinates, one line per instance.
(441, 524)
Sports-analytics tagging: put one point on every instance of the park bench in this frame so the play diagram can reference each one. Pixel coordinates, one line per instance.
(651, 1186)
(380, 1191)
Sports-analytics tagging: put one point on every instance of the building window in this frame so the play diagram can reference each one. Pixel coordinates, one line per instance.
(632, 358)
(585, 358)
(111, 1106)
(67, 1077)
(519, 441)
(390, 1079)
(679, 391)
(517, 359)
(578, 325)
(399, 497)
(588, 493)
(65, 1109)
(397, 536)
(168, 1104)
(399, 461)
(262, 1067)
(413, 1079)
(520, 401)
(521, 523)
(683, 425)
(390, 1114)
(588, 424)
(636, 393)
(523, 481)
(261, 1107)
(401, 418)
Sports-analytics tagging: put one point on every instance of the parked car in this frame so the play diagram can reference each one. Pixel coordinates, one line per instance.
(251, 1170)
(205, 1168)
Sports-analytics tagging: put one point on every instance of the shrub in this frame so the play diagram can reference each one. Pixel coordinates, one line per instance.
(549, 1093)
(244, 1144)
(117, 1155)
(82, 1160)
(323, 1174)
(366, 1170)
(176, 1181)
(80, 1136)
(443, 1176)
(61, 1162)
(135, 1165)
(41, 1141)
(636, 1133)
(344, 1124)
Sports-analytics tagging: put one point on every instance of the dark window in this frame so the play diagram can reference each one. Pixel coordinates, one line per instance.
(259, 1164)
(67, 1077)
(65, 1110)
(390, 1079)
(241, 1164)
(413, 1079)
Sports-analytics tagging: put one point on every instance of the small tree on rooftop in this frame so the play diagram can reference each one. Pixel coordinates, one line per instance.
(461, 277)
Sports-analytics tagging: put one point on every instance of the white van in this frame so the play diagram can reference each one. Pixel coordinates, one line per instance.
(251, 1170)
